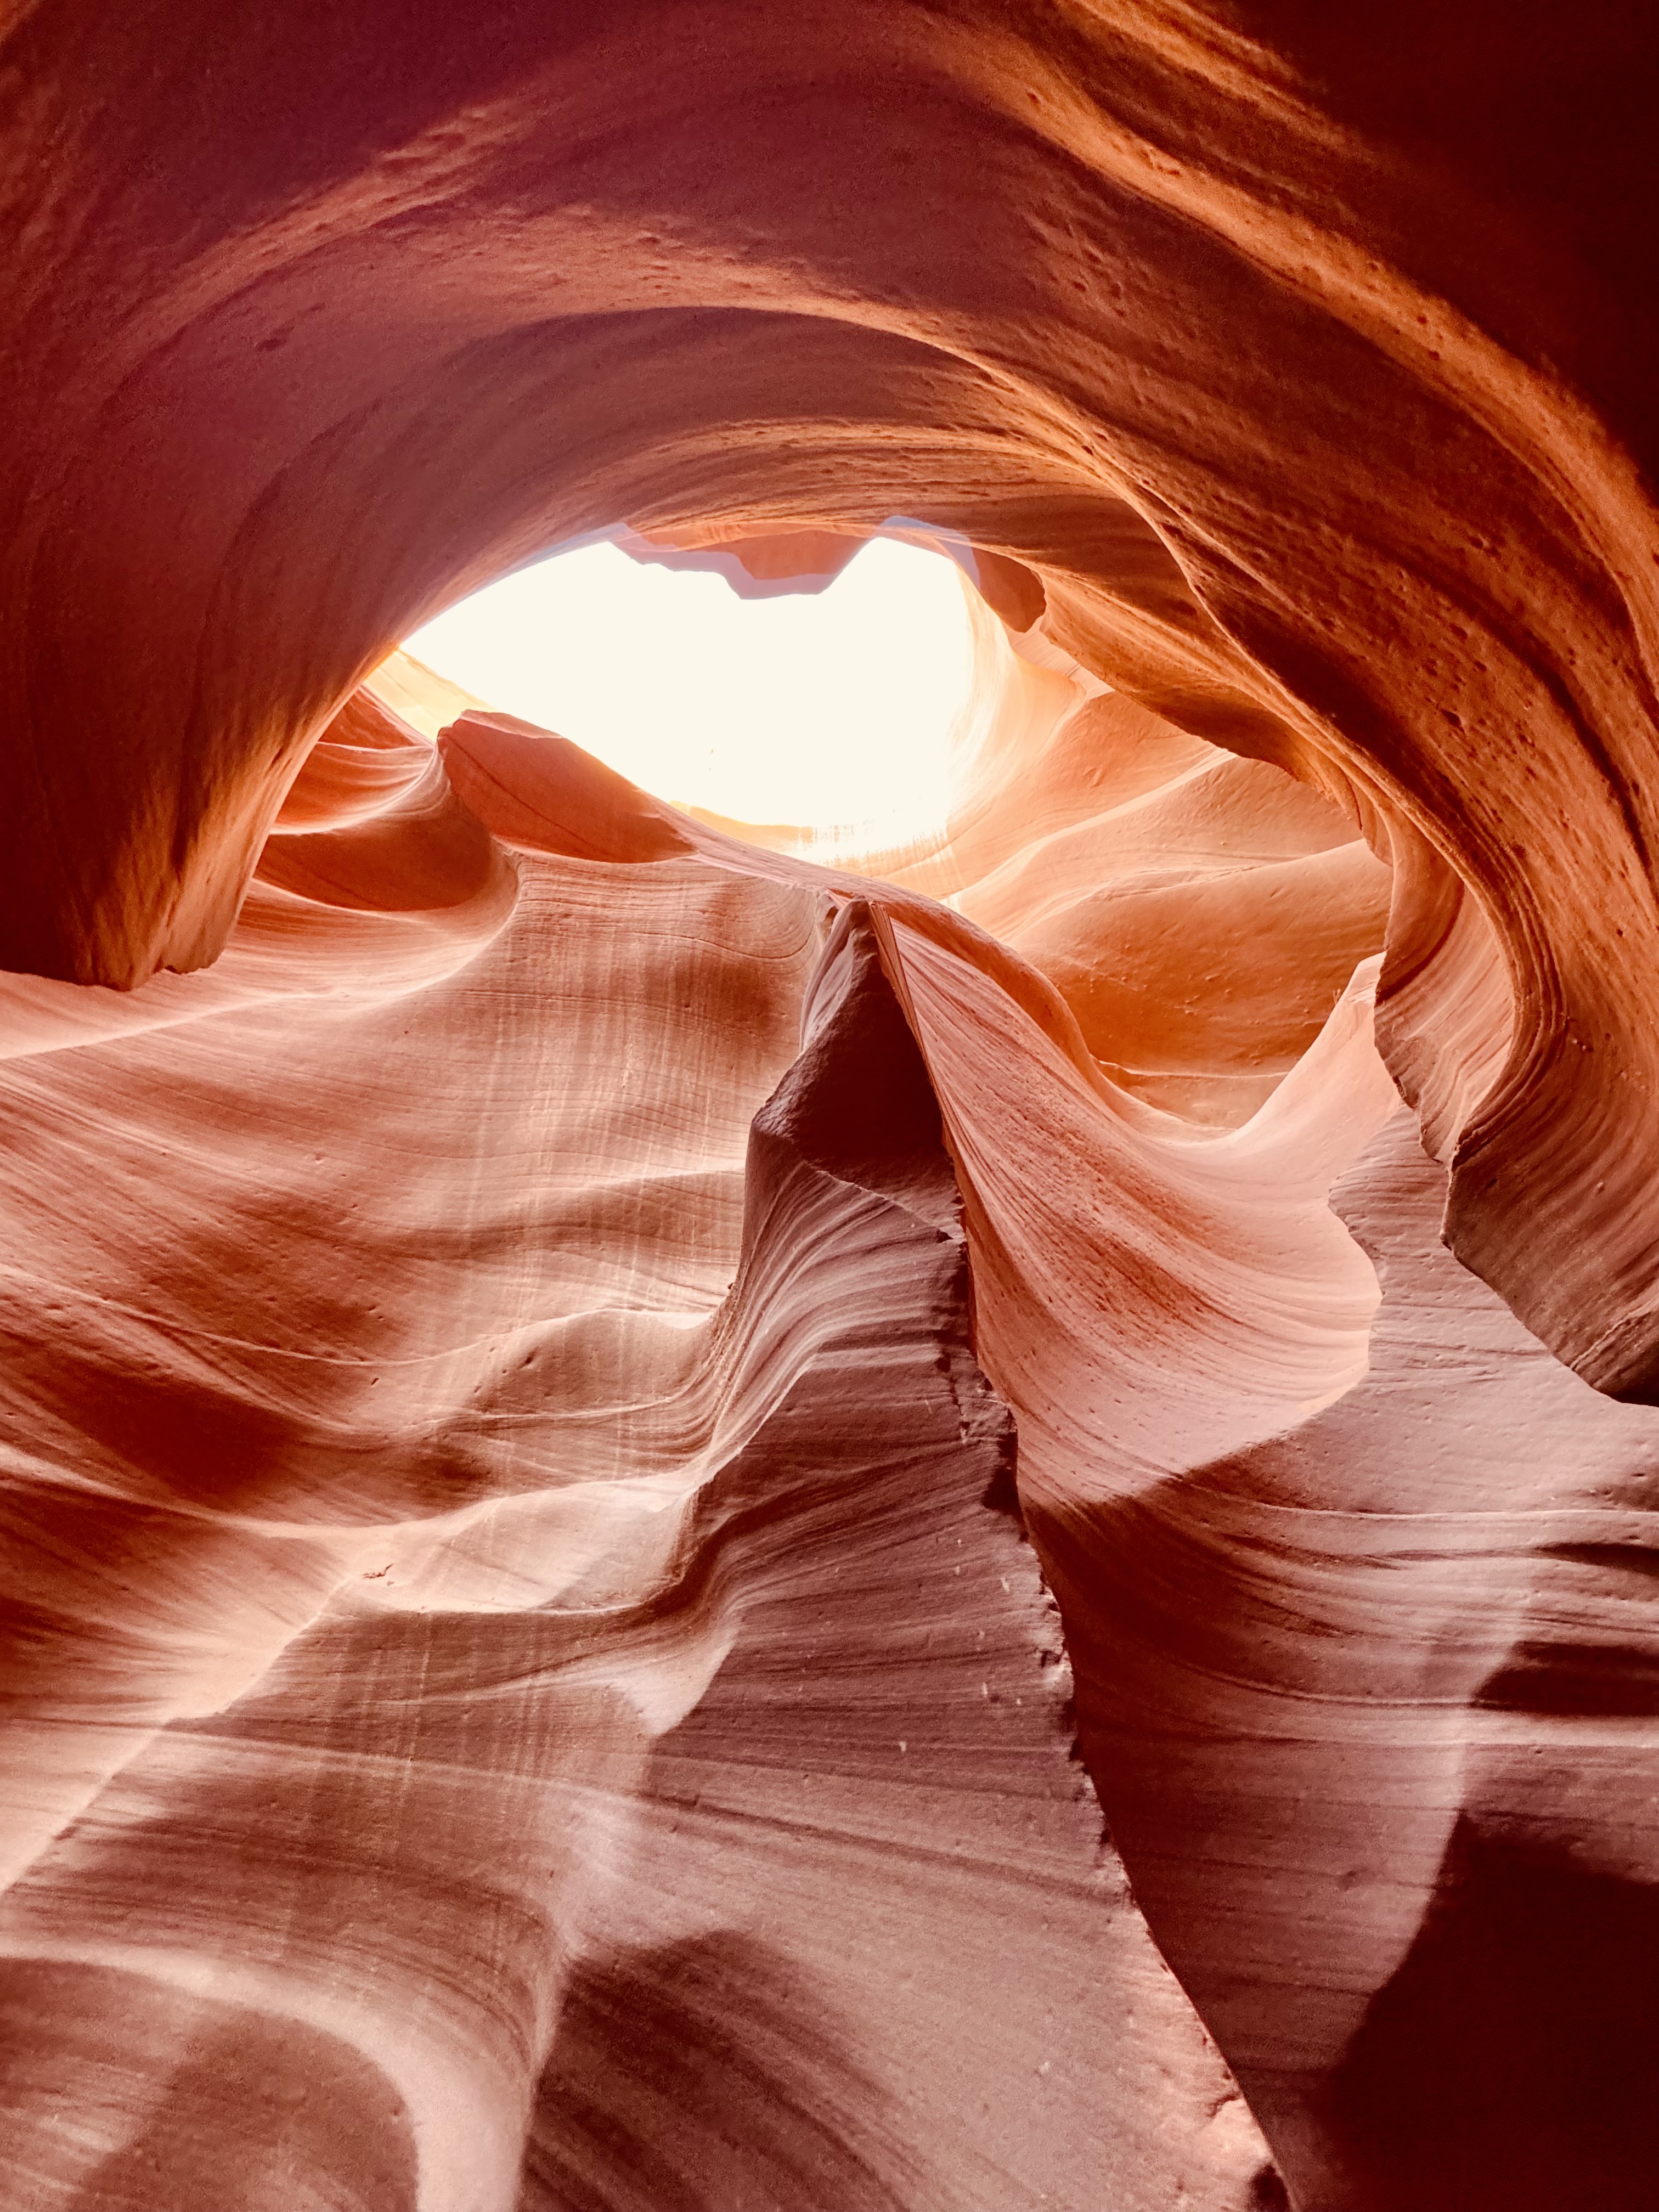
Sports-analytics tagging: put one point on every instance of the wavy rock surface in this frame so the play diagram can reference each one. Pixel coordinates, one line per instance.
(593, 1733)
(1316, 407)
(1377, 1702)
(454, 1635)
(524, 1685)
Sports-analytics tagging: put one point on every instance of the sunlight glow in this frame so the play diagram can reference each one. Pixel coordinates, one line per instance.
(829, 711)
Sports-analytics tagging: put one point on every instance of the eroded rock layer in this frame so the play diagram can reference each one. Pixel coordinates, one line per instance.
(1317, 409)
(427, 1704)
(552, 1347)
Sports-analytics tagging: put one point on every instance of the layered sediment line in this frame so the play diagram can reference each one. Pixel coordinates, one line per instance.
(475, 1525)
(464, 1630)
(521, 1685)
(1256, 362)
(1297, 1536)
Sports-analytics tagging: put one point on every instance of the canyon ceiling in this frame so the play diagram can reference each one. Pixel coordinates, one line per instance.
(691, 1533)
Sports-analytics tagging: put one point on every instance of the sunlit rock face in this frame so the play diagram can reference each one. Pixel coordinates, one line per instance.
(970, 1530)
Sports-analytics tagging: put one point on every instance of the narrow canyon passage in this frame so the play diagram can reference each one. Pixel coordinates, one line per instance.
(556, 1620)
(928, 1494)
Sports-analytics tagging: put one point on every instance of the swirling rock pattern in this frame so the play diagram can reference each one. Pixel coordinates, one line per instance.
(421, 1666)
(552, 1348)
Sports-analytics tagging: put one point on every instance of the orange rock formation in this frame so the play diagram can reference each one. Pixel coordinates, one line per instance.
(553, 1348)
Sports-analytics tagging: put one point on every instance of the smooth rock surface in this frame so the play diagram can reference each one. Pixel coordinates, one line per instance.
(552, 1346)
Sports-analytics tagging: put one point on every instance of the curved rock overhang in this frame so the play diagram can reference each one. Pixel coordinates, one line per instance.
(322, 320)
(1291, 378)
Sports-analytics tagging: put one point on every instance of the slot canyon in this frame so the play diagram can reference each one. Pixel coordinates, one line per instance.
(710, 1514)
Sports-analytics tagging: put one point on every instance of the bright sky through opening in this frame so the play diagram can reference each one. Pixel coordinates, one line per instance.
(830, 710)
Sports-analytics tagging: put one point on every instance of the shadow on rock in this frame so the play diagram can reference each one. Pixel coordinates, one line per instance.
(1505, 2062)
(704, 2077)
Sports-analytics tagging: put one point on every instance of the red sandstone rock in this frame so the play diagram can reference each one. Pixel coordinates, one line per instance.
(1276, 398)
(460, 1610)
(524, 1685)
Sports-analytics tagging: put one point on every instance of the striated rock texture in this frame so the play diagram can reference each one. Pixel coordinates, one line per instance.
(496, 1716)
(683, 1530)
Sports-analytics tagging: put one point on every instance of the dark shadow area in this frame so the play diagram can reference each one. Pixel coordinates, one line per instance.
(212, 2105)
(704, 2077)
(859, 1102)
(1606, 1680)
(1523, 100)
(1267, 2191)
(1512, 2062)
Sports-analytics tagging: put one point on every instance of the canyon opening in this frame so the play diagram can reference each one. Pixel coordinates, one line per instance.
(830, 711)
